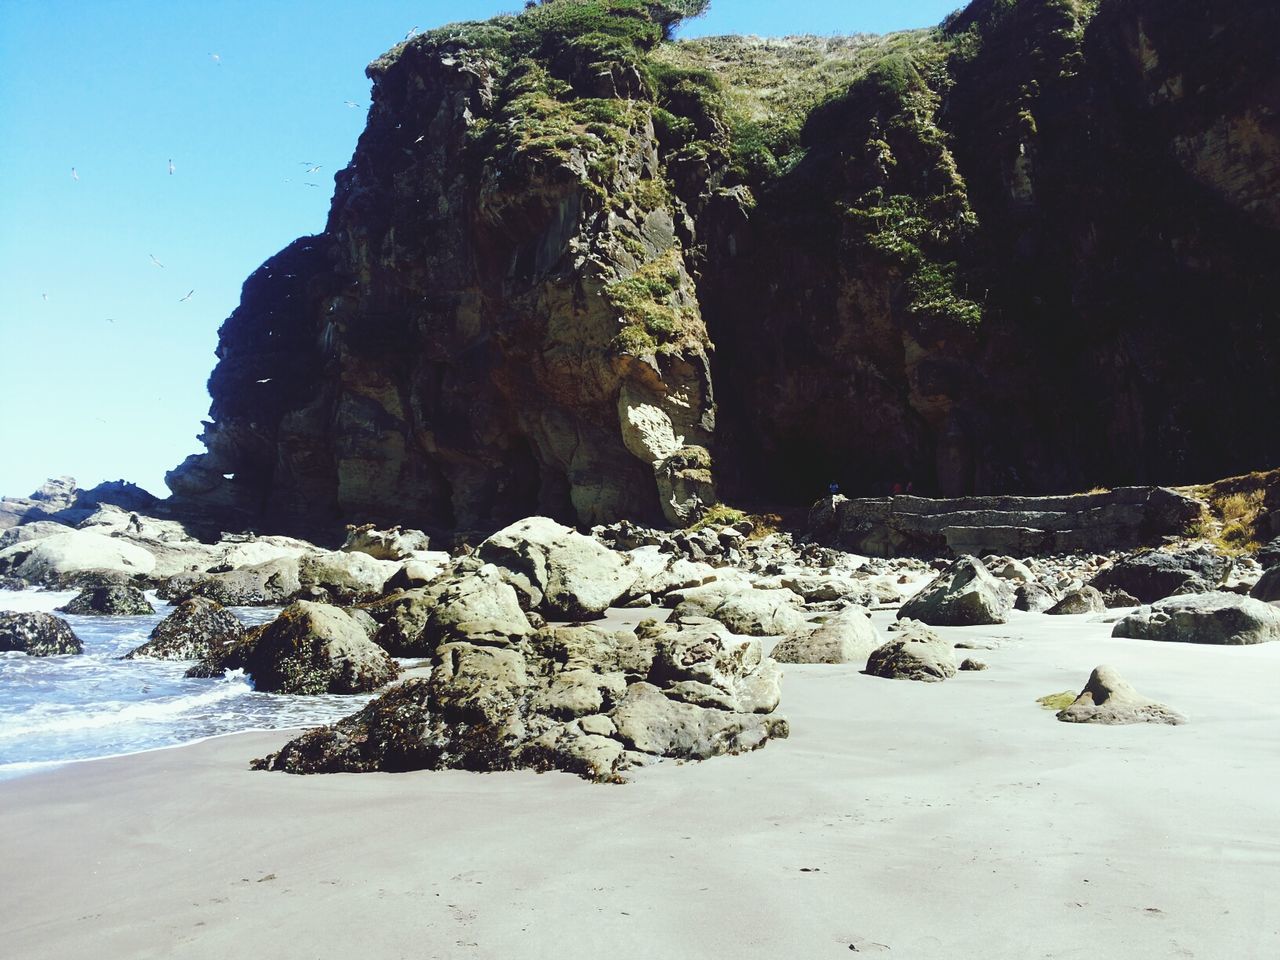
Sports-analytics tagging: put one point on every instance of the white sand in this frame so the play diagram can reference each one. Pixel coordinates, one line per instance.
(956, 820)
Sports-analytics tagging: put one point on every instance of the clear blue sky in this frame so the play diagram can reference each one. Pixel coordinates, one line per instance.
(102, 363)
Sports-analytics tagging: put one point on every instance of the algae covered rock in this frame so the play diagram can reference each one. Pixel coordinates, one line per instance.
(194, 631)
(314, 648)
(117, 601)
(37, 634)
(1085, 600)
(915, 653)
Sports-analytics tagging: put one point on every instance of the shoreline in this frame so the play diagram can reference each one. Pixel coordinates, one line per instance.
(929, 820)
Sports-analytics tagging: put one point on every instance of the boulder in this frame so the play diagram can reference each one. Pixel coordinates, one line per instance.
(1114, 597)
(1267, 589)
(968, 663)
(1268, 555)
(827, 589)
(745, 610)
(400, 620)
(914, 654)
(314, 648)
(113, 601)
(1215, 618)
(418, 572)
(1007, 568)
(1108, 699)
(37, 634)
(1035, 597)
(847, 637)
(393, 544)
(1084, 600)
(649, 722)
(1157, 574)
(344, 578)
(194, 631)
(557, 571)
(578, 698)
(964, 594)
(37, 530)
(271, 583)
(471, 604)
(55, 559)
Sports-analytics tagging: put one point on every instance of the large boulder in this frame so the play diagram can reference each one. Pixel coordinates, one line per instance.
(1267, 589)
(1085, 600)
(471, 604)
(344, 577)
(1108, 699)
(194, 631)
(558, 571)
(37, 530)
(579, 698)
(744, 609)
(56, 559)
(964, 594)
(111, 601)
(914, 654)
(650, 722)
(1214, 618)
(846, 637)
(37, 634)
(314, 648)
(1035, 597)
(1157, 574)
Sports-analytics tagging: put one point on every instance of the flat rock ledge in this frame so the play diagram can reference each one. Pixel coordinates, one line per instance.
(581, 698)
(1109, 699)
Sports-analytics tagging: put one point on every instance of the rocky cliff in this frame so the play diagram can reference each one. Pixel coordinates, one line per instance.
(1028, 251)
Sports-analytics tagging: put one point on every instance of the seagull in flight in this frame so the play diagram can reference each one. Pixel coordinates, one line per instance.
(216, 58)
(110, 319)
(44, 297)
(74, 175)
(171, 167)
(315, 169)
(413, 32)
(155, 261)
(187, 297)
(311, 184)
(267, 380)
(351, 103)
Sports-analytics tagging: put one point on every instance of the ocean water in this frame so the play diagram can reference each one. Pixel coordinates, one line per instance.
(58, 709)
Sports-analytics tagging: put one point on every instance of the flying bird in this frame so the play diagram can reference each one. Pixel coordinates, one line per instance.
(187, 297)
(413, 32)
(171, 167)
(267, 380)
(216, 59)
(421, 138)
(110, 319)
(311, 184)
(155, 261)
(44, 297)
(74, 175)
(314, 169)
(351, 103)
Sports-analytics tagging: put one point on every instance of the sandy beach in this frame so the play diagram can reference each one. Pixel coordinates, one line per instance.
(945, 820)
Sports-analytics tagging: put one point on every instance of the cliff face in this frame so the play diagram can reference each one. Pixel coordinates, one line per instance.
(1028, 251)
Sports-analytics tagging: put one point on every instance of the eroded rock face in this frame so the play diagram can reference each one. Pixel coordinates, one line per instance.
(964, 594)
(194, 631)
(1215, 618)
(1109, 699)
(37, 634)
(581, 699)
